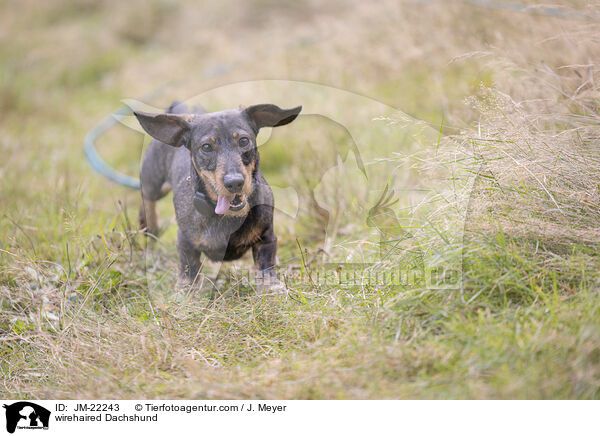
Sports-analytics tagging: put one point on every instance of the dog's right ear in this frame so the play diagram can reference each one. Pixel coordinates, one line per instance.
(172, 129)
(269, 115)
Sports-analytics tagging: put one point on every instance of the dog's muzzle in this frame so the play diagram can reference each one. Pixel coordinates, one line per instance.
(233, 202)
(204, 205)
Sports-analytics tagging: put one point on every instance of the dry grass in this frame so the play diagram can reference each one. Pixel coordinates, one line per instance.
(88, 312)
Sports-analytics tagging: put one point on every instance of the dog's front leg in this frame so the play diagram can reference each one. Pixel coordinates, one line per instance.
(264, 253)
(189, 258)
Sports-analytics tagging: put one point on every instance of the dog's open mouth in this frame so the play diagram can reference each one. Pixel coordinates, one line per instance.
(233, 203)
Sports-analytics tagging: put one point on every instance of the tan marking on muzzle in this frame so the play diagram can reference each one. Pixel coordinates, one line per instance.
(210, 184)
(213, 182)
(247, 172)
(208, 177)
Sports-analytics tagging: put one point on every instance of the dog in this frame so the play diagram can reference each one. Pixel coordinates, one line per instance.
(223, 204)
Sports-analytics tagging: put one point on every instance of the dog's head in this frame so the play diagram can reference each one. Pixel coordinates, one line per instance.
(223, 147)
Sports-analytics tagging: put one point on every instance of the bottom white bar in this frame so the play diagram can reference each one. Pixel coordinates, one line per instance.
(299, 417)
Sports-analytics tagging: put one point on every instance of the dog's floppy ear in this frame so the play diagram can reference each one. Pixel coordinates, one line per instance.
(269, 115)
(171, 129)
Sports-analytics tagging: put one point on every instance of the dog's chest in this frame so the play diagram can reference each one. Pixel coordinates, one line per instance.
(217, 235)
(214, 234)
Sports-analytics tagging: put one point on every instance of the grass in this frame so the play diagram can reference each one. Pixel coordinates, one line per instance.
(90, 310)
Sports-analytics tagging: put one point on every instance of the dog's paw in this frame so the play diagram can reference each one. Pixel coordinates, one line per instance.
(267, 282)
(186, 283)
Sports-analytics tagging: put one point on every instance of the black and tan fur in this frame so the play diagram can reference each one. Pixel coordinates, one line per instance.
(177, 159)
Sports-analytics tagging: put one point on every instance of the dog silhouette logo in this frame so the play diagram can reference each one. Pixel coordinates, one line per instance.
(26, 415)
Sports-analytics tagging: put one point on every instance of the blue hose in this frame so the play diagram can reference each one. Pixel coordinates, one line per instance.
(94, 158)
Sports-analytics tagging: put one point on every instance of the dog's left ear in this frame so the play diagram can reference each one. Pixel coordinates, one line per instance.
(172, 129)
(269, 115)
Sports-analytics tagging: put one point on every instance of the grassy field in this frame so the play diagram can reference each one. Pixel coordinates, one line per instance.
(511, 99)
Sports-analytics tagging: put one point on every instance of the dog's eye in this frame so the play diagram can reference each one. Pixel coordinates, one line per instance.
(206, 148)
(244, 141)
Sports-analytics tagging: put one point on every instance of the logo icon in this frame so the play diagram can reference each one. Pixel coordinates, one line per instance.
(26, 415)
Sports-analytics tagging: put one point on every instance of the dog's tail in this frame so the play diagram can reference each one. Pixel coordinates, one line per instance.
(178, 107)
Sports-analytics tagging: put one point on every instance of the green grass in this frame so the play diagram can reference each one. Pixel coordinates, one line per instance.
(90, 310)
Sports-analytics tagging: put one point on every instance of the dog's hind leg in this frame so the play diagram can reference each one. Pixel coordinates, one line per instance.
(155, 185)
(148, 215)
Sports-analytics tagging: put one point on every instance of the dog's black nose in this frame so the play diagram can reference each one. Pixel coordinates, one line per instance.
(234, 183)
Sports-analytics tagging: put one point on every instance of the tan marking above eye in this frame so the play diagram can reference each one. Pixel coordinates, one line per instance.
(235, 134)
(212, 139)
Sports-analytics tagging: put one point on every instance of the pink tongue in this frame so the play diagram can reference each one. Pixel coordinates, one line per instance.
(223, 204)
